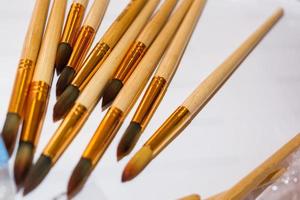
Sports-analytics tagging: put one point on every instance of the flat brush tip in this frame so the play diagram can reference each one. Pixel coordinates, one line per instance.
(23, 162)
(129, 140)
(79, 177)
(111, 92)
(10, 131)
(64, 80)
(37, 173)
(136, 165)
(63, 55)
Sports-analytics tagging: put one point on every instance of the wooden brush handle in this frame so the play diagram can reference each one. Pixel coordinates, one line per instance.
(95, 87)
(35, 31)
(96, 14)
(82, 2)
(157, 22)
(45, 63)
(135, 84)
(120, 25)
(215, 80)
(176, 49)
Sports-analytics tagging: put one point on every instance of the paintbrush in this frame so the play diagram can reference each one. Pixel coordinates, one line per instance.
(185, 113)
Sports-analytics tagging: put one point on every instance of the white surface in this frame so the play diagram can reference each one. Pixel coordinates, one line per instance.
(255, 112)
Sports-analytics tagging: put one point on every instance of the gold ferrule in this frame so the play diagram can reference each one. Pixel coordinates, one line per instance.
(104, 135)
(82, 45)
(21, 86)
(131, 61)
(150, 101)
(36, 107)
(91, 65)
(169, 130)
(66, 132)
(73, 23)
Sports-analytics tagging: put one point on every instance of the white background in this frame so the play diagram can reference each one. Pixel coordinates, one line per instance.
(256, 111)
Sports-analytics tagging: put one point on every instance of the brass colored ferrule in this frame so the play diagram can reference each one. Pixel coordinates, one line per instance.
(82, 45)
(91, 65)
(21, 86)
(169, 130)
(73, 23)
(150, 101)
(104, 135)
(131, 61)
(36, 107)
(66, 132)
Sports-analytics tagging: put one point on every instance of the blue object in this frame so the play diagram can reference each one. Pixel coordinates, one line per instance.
(3, 154)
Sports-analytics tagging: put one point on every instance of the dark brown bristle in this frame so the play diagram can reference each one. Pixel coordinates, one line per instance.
(79, 177)
(63, 55)
(129, 140)
(10, 131)
(64, 80)
(111, 92)
(23, 162)
(65, 102)
(37, 173)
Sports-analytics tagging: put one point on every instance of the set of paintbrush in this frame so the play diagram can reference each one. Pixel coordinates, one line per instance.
(117, 69)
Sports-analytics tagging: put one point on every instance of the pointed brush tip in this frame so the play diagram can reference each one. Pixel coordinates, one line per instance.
(111, 92)
(64, 80)
(63, 55)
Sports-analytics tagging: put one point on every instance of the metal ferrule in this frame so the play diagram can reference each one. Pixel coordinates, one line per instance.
(104, 135)
(170, 129)
(66, 132)
(21, 86)
(131, 61)
(82, 45)
(73, 23)
(91, 65)
(150, 101)
(36, 107)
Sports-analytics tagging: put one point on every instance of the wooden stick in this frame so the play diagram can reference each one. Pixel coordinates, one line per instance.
(191, 197)
(96, 14)
(45, 64)
(94, 89)
(82, 2)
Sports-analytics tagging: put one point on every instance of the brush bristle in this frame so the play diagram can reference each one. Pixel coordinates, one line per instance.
(23, 162)
(37, 173)
(111, 92)
(136, 165)
(64, 80)
(10, 131)
(63, 55)
(65, 102)
(129, 140)
(79, 177)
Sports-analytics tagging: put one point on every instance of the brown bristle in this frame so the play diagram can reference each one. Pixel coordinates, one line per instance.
(37, 173)
(23, 162)
(64, 80)
(63, 55)
(136, 165)
(129, 140)
(65, 102)
(10, 131)
(111, 92)
(79, 177)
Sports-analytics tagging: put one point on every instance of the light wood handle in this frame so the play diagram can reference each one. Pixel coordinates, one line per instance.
(157, 22)
(82, 2)
(135, 84)
(215, 80)
(172, 58)
(94, 89)
(120, 25)
(96, 14)
(35, 31)
(45, 63)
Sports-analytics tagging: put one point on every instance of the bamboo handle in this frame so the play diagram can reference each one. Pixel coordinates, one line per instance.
(117, 29)
(254, 179)
(45, 63)
(82, 2)
(215, 80)
(133, 87)
(35, 31)
(157, 22)
(96, 14)
(94, 89)
(176, 49)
